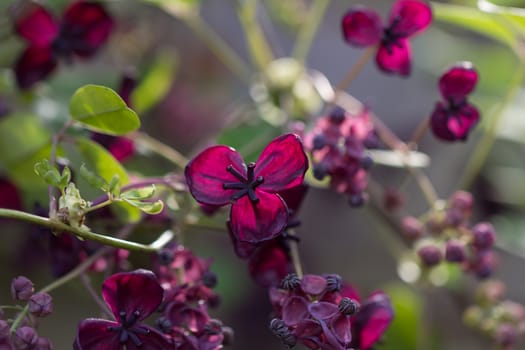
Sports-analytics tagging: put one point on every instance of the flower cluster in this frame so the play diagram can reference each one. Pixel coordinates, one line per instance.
(321, 312)
(363, 27)
(82, 30)
(338, 143)
(445, 235)
(453, 118)
(501, 319)
(24, 335)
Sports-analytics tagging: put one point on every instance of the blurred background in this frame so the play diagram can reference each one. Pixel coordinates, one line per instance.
(191, 97)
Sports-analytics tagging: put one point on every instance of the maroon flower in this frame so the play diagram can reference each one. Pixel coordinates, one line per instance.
(218, 176)
(363, 27)
(453, 118)
(131, 296)
(83, 29)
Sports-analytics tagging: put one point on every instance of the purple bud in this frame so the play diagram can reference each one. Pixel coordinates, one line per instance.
(454, 217)
(43, 343)
(22, 288)
(209, 279)
(430, 255)
(25, 338)
(319, 141)
(506, 335)
(412, 228)
(40, 304)
(338, 115)
(320, 171)
(462, 200)
(483, 236)
(455, 251)
(4, 330)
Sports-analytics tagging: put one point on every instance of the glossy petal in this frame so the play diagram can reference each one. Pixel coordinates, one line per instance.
(133, 291)
(35, 64)
(322, 310)
(85, 27)
(295, 310)
(206, 174)
(408, 17)
(362, 27)
(293, 197)
(36, 25)
(282, 164)
(258, 222)
(372, 320)
(313, 284)
(451, 126)
(243, 250)
(458, 81)
(93, 334)
(184, 316)
(342, 329)
(395, 57)
(270, 264)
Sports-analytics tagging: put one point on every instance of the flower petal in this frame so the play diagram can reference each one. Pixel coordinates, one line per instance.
(36, 25)
(35, 64)
(93, 334)
(408, 17)
(342, 329)
(458, 81)
(395, 57)
(362, 27)
(293, 197)
(322, 310)
(258, 222)
(85, 27)
(270, 264)
(313, 284)
(133, 291)
(206, 174)
(185, 316)
(282, 164)
(453, 126)
(372, 320)
(295, 310)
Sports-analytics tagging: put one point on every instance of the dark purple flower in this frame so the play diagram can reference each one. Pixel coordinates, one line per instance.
(218, 176)
(131, 297)
(82, 30)
(371, 321)
(363, 27)
(453, 118)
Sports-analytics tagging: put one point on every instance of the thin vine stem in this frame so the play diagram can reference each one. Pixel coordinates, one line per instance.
(82, 233)
(160, 148)
(309, 29)
(294, 254)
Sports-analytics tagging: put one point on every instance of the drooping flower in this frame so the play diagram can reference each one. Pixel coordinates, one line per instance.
(82, 30)
(363, 27)
(453, 118)
(218, 176)
(131, 297)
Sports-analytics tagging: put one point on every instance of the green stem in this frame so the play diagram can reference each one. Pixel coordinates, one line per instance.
(294, 253)
(258, 46)
(160, 148)
(483, 147)
(309, 29)
(81, 233)
(11, 307)
(215, 43)
(99, 205)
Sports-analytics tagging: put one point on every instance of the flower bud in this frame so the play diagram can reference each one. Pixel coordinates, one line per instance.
(22, 288)
(43, 343)
(25, 338)
(506, 335)
(209, 279)
(40, 304)
(4, 330)
(430, 255)
(333, 283)
(412, 228)
(455, 251)
(483, 236)
(319, 141)
(291, 281)
(348, 306)
(462, 200)
(337, 115)
(280, 330)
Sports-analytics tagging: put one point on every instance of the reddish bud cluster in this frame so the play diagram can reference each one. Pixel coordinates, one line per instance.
(338, 142)
(321, 312)
(446, 235)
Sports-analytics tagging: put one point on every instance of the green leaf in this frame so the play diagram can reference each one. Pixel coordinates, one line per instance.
(514, 15)
(93, 179)
(139, 193)
(101, 109)
(474, 20)
(21, 135)
(156, 83)
(114, 186)
(151, 208)
(48, 172)
(65, 178)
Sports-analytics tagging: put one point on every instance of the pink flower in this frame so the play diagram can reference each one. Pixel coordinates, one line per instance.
(218, 176)
(82, 30)
(363, 27)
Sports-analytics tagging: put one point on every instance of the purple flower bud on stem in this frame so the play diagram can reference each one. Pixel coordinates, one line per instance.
(483, 236)
(412, 228)
(22, 288)
(40, 304)
(455, 251)
(430, 255)
(25, 338)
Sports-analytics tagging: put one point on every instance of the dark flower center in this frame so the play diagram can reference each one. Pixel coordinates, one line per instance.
(391, 36)
(245, 186)
(129, 329)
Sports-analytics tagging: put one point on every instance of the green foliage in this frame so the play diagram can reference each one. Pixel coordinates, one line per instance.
(177, 8)
(156, 83)
(51, 175)
(137, 196)
(101, 109)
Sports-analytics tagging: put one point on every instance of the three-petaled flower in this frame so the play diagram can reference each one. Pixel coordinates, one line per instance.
(453, 118)
(131, 297)
(84, 27)
(218, 176)
(363, 27)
